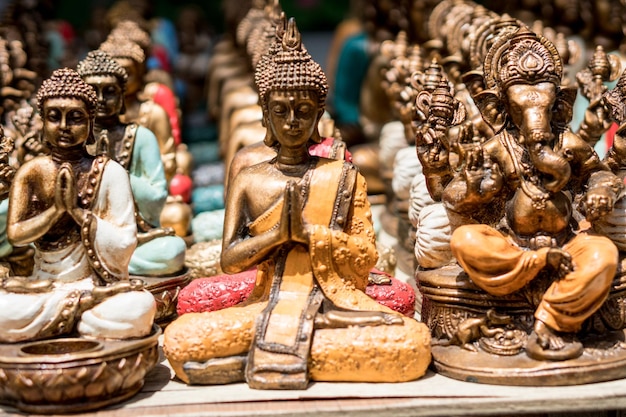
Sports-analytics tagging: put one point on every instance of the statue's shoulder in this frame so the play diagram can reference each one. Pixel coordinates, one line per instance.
(149, 107)
(331, 163)
(338, 170)
(40, 165)
(252, 176)
(142, 135)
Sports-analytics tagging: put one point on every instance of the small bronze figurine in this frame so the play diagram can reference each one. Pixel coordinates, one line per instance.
(305, 223)
(517, 204)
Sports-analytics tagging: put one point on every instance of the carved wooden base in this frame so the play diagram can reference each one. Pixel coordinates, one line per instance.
(74, 374)
(165, 291)
(603, 359)
(482, 338)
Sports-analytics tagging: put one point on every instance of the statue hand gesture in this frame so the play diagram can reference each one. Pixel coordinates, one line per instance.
(102, 143)
(66, 193)
(7, 173)
(297, 229)
(598, 203)
(474, 166)
(291, 226)
(64, 177)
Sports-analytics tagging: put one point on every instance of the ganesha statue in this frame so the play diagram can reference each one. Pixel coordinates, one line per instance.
(524, 300)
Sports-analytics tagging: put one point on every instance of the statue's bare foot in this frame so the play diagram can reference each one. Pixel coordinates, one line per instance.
(546, 344)
(560, 261)
(338, 319)
(546, 338)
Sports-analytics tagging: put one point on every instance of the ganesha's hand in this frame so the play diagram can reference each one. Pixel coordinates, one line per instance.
(34, 146)
(598, 203)
(474, 169)
(7, 172)
(492, 177)
(597, 119)
(6, 176)
(560, 261)
(431, 152)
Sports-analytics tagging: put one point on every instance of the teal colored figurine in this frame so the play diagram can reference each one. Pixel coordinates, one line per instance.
(159, 252)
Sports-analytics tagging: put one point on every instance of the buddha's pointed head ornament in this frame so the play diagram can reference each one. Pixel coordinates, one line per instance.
(287, 66)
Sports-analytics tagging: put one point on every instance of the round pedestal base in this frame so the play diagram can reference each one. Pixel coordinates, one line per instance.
(165, 291)
(603, 359)
(70, 375)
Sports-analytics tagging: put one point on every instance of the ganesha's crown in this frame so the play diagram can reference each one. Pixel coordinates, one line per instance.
(522, 57)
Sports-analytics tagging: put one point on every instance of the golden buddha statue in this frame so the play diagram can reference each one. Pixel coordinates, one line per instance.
(305, 223)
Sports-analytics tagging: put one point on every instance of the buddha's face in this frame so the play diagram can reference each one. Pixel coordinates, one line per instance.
(109, 92)
(135, 74)
(293, 116)
(66, 122)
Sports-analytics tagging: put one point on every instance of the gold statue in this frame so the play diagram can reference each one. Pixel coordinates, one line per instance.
(84, 233)
(158, 84)
(517, 203)
(305, 223)
(77, 211)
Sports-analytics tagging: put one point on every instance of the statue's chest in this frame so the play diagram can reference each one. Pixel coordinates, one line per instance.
(527, 217)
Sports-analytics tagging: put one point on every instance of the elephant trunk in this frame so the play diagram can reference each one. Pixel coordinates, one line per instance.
(555, 168)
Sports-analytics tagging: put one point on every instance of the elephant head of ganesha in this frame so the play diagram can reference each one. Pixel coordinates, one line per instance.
(522, 73)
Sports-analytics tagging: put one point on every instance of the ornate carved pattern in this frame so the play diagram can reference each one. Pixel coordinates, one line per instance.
(96, 380)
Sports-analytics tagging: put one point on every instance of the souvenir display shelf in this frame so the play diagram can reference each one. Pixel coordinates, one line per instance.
(432, 395)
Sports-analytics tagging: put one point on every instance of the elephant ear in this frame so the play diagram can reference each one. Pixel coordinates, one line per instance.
(616, 66)
(460, 113)
(474, 79)
(491, 108)
(422, 104)
(563, 109)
